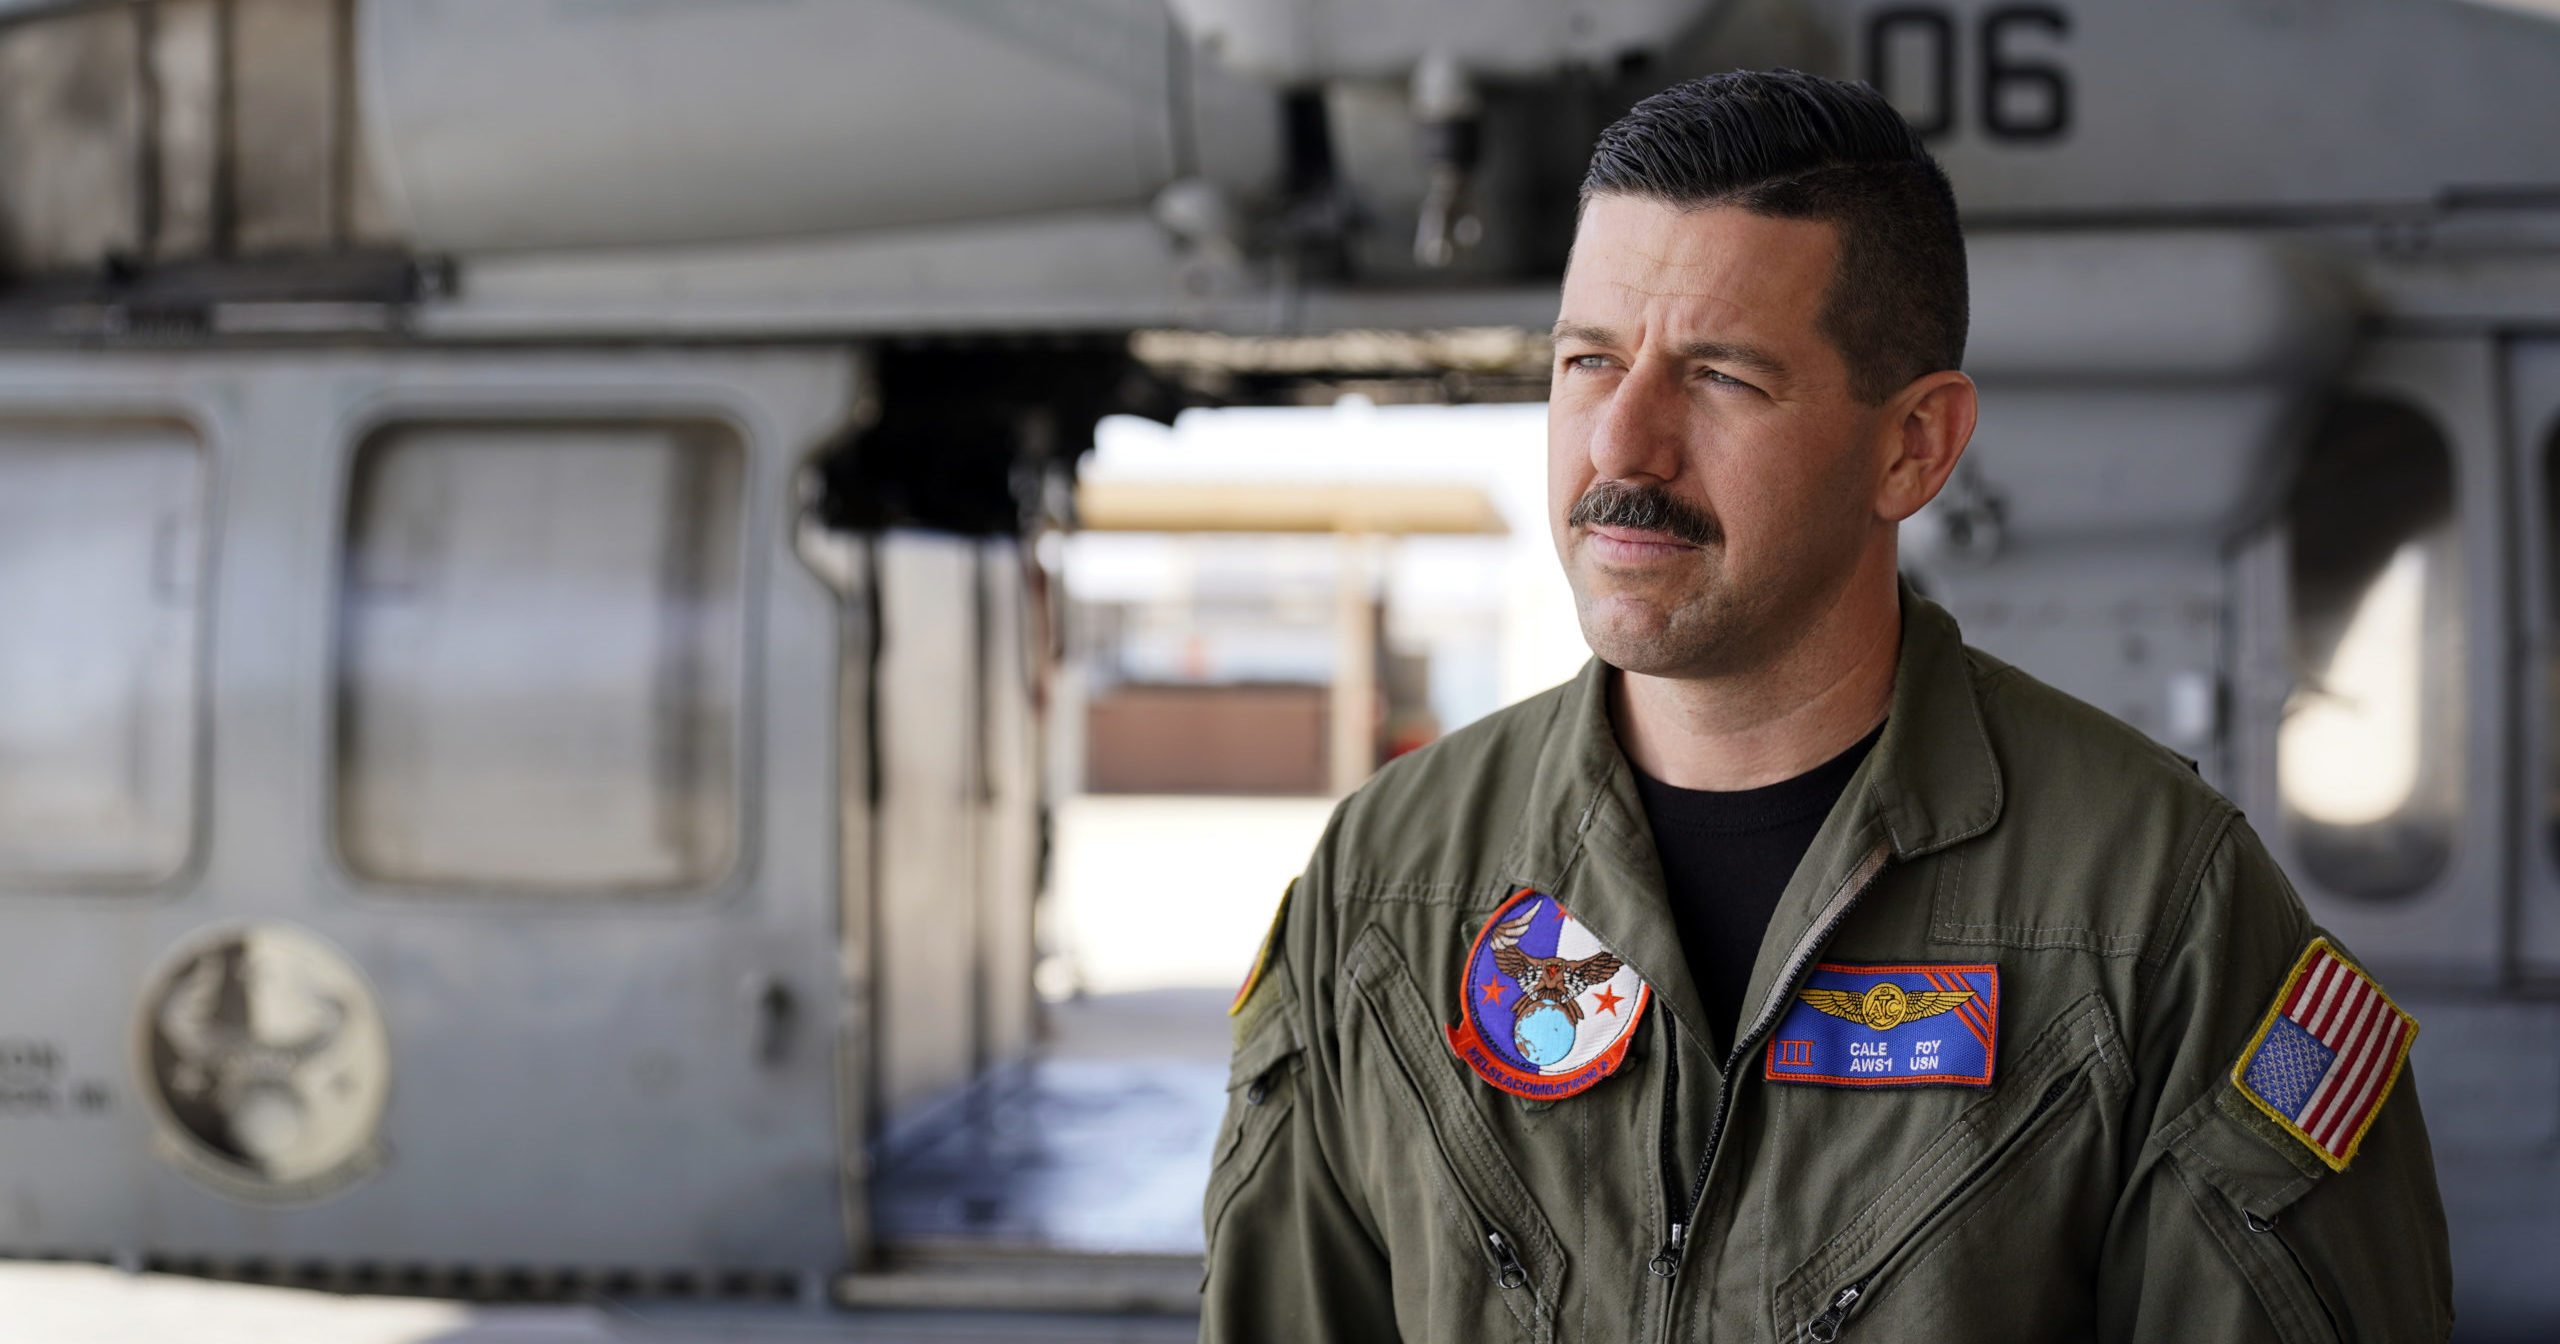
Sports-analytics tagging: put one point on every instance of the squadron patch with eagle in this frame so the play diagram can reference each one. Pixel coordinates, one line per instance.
(1549, 1011)
(1889, 1026)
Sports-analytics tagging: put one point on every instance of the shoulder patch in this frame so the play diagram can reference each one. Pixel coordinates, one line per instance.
(1262, 957)
(1546, 1011)
(2326, 1054)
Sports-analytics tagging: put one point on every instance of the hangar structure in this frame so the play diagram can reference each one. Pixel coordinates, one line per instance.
(520, 723)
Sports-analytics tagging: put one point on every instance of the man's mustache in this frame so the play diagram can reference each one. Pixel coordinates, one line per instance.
(1645, 508)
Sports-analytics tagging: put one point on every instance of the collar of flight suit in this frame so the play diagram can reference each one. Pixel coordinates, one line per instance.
(1930, 782)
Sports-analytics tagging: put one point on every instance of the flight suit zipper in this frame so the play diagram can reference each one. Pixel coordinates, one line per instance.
(1825, 1328)
(1508, 1271)
(2267, 1228)
(1666, 1262)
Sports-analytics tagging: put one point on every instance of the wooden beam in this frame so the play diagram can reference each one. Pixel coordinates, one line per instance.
(1278, 506)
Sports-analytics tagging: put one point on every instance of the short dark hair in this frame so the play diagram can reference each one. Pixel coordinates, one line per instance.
(1797, 146)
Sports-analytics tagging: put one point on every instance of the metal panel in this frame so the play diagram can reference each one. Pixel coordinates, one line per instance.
(2100, 509)
(1294, 41)
(2534, 425)
(2125, 109)
(1014, 811)
(928, 904)
(2138, 393)
(186, 46)
(2452, 931)
(72, 111)
(561, 122)
(603, 1084)
(288, 94)
(2135, 629)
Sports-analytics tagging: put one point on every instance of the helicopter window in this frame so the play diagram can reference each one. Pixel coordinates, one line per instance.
(101, 555)
(539, 656)
(2369, 758)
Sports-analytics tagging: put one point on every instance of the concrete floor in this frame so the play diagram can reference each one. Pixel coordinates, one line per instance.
(1101, 1146)
(91, 1304)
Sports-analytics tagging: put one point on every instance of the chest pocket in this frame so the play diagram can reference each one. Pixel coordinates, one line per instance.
(1470, 1219)
(1970, 1221)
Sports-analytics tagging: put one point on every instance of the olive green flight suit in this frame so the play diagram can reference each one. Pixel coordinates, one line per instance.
(2110, 1183)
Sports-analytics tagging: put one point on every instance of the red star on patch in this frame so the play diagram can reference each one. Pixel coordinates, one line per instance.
(1492, 993)
(1607, 1002)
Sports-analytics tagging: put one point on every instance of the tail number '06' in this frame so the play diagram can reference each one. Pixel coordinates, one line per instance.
(1912, 58)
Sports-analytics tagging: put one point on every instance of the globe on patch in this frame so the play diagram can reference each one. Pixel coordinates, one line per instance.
(1543, 1034)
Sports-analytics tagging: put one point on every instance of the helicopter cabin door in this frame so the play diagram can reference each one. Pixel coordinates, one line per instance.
(417, 816)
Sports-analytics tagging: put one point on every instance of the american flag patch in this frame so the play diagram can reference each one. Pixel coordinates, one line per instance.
(2326, 1055)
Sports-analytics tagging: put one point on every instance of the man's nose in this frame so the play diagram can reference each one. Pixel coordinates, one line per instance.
(1641, 432)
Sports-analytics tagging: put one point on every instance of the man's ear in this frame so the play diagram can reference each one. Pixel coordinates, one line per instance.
(1924, 430)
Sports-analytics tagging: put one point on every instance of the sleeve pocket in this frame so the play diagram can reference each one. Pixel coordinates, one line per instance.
(2241, 1183)
(1261, 1087)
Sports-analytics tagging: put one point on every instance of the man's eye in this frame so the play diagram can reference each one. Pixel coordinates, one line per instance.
(1720, 376)
(1588, 362)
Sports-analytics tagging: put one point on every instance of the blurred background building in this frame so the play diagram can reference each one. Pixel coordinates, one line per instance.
(677, 650)
(1268, 603)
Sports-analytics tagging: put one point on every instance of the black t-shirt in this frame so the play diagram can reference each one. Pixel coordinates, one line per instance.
(1726, 858)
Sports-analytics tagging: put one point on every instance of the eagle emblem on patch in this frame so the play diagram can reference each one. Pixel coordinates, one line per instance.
(2326, 1055)
(1548, 1010)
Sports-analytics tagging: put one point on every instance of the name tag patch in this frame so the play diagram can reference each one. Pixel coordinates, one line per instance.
(1889, 1026)
(1549, 1011)
(2327, 1054)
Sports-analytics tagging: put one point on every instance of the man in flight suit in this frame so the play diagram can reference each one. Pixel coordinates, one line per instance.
(1797, 972)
